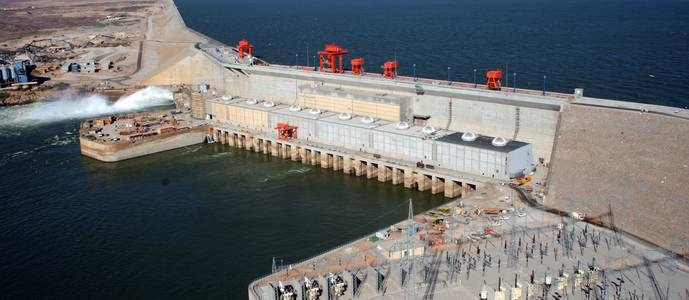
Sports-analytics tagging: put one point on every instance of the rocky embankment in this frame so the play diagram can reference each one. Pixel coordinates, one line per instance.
(8, 98)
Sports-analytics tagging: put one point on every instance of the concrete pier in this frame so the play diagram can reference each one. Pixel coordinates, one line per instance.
(348, 163)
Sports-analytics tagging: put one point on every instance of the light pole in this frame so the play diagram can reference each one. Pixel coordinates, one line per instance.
(475, 84)
(449, 81)
(514, 82)
(414, 71)
(314, 63)
(296, 59)
(544, 83)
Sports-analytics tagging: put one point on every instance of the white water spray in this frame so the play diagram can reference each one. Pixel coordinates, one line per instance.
(72, 107)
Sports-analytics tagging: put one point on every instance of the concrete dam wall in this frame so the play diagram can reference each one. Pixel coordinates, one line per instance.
(532, 119)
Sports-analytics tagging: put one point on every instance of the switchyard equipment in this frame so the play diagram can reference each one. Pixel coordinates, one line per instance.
(358, 65)
(244, 47)
(493, 78)
(389, 69)
(331, 58)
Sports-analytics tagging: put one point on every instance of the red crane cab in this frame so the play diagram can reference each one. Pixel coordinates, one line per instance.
(493, 78)
(389, 69)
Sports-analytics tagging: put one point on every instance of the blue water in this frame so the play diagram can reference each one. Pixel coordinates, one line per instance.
(631, 50)
(203, 221)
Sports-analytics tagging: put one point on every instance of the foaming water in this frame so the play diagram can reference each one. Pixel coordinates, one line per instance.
(73, 106)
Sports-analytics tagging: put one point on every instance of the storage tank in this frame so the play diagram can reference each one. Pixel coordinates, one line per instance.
(4, 74)
(13, 74)
(20, 69)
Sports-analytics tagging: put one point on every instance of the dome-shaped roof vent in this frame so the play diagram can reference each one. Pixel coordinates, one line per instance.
(315, 111)
(226, 97)
(268, 104)
(499, 141)
(428, 129)
(251, 101)
(469, 136)
(367, 120)
(344, 116)
(295, 108)
(402, 125)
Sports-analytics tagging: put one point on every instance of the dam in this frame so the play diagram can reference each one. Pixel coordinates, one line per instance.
(602, 162)
(542, 119)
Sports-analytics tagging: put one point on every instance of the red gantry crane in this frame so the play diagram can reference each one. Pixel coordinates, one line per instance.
(329, 56)
(389, 69)
(244, 47)
(358, 65)
(493, 78)
(286, 131)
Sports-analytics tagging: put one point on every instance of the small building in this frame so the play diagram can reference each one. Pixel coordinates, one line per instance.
(494, 157)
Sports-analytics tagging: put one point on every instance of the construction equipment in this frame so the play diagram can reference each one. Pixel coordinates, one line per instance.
(328, 57)
(389, 69)
(286, 131)
(493, 78)
(244, 47)
(358, 65)
(522, 179)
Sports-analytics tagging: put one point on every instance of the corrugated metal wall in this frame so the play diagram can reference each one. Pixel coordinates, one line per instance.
(402, 146)
(461, 158)
(472, 160)
(340, 135)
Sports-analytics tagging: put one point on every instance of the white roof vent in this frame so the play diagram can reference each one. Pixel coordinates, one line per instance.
(469, 136)
(428, 129)
(295, 108)
(367, 120)
(402, 125)
(499, 141)
(251, 101)
(315, 111)
(268, 104)
(344, 116)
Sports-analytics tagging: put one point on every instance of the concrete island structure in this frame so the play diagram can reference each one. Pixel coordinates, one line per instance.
(606, 180)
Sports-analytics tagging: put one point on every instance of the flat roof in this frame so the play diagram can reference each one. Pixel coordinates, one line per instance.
(242, 102)
(305, 113)
(483, 142)
(354, 94)
(414, 131)
(355, 121)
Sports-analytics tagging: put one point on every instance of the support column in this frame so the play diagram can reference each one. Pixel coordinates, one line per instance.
(315, 158)
(266, 146)
(408, 179)
(337, 162)
(384, 173)
(231, 140)
(215, 134)
(347, 164)
(256, 144)
(248, 141)
(302, 156)
(437, 185)
(423, 181)
(242, 141)
(358, 168)
(274, 149)
(294, 153)
(397, 176)
(222, 137)
(452, 188)
(371, 170)
(326, 160)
